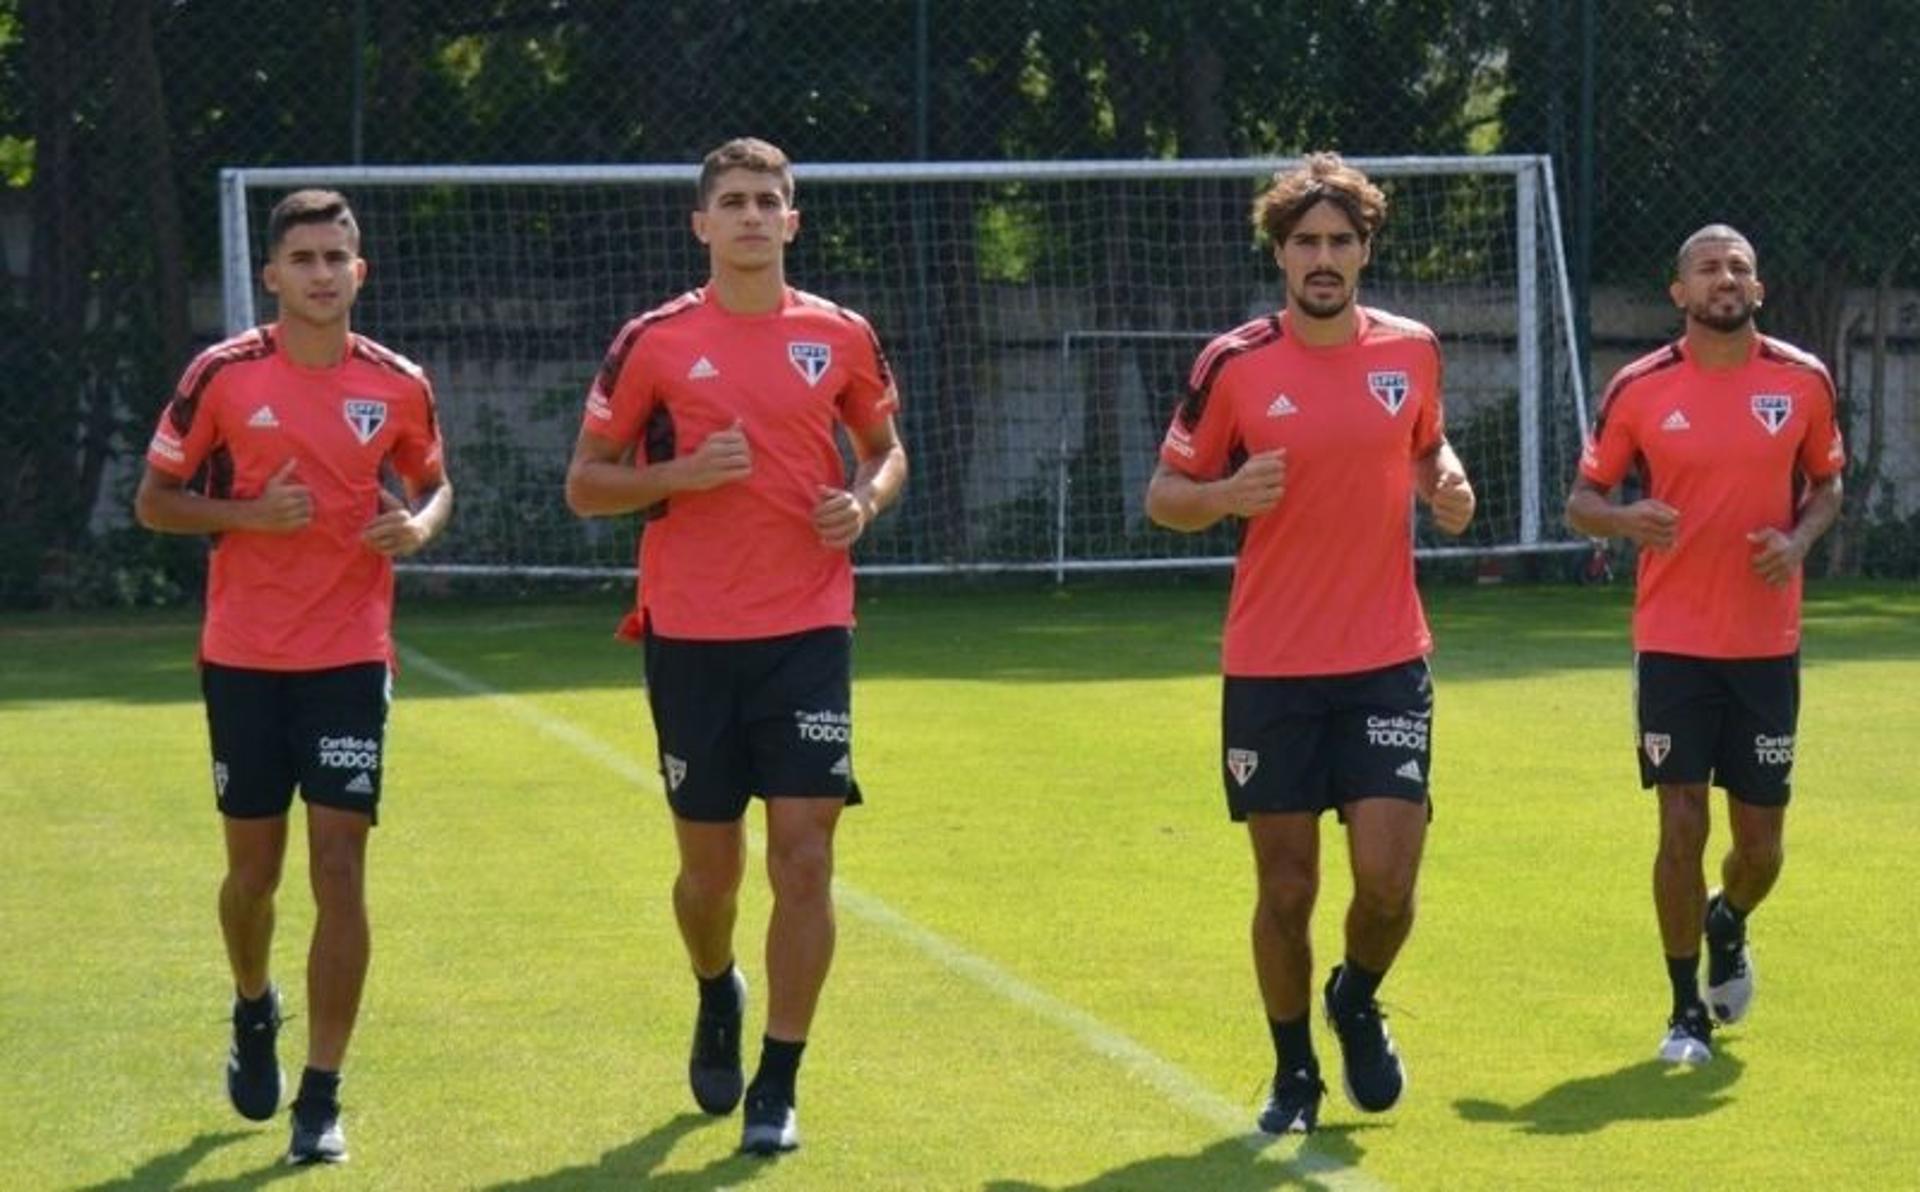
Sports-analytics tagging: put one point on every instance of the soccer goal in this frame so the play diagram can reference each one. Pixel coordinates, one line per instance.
(1040, 317)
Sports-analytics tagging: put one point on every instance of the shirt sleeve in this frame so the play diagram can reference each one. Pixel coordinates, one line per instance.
(187, 431)
(417, 453)
(1610, 450)
(1200, 440)
(870, 395)
(1822, 454)
(622, 395)
(1430, 419)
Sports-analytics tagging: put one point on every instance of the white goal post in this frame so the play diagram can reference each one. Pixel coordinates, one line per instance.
(1040, 318)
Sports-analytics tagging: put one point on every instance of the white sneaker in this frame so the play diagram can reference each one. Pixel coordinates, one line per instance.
(1687, 1035)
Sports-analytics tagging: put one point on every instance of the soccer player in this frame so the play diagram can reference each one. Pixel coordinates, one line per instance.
(1317, 426)
(716, 413)
(275, 443)
(1732, 437)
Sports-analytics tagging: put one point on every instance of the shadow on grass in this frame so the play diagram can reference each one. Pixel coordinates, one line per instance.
(632, 1165)
(1647, 1091)
(1248, 1163)
(171, 1169)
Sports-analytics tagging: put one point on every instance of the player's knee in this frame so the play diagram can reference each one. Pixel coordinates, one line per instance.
(707, 885)
(339, 873)
(1760, 856)
(801, 871)
(254, 881)
(1384, 892)
(1287, 898)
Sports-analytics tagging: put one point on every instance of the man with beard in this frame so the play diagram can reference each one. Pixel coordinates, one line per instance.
(1732, 437)
(1318, 425)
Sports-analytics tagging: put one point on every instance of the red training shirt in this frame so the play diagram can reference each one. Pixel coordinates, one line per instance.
(743, 560)
(1324, 581)
(318, 597)
(1732, 450)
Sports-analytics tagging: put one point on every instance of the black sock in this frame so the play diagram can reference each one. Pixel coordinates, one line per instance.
(1727, 923)
(1357, 985)
(1684, 973)
(779, 1068)
(1293, 1044)
(719, 993)
(255, 1009)
(319, 1090)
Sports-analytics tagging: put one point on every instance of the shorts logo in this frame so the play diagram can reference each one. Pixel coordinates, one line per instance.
(349, 753)
(362, 784)
(811, 360)
(219, 780)
(833, 728)
(1241, 763)
(1398, 732)
(1389, 389)
(365, 416)
(844, 767)
(1773, 410)
(1657, 746)
(676, 770)
(1773, 751)
(1411, 771)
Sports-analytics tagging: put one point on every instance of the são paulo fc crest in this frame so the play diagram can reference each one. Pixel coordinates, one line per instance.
(366, 417)
(1241, 763)
(1773, 410)
(1657, 745)
(1389, 389)
(813, 360)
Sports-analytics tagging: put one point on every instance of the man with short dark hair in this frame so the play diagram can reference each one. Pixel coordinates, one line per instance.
(717, 413)
(1733, 438)
(274, 443)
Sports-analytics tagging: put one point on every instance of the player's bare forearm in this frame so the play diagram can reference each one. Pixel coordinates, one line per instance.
(1818, 512)
(1441, 480)
(1182, 503)
(879, 479)
(599, 489)
(1591, 512)
(165, 505)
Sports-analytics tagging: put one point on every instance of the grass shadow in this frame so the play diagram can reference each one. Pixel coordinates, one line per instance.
(1248, 1163)
(1647, 1091)
(635, 1163)
(170, 1170)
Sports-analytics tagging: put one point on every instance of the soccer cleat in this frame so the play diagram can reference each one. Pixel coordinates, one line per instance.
(771, 1125)
(317, 1137)
(1371, 1071)
(1729, 968)
(1688, 1035)
(254, 1079)
(714, 1069)
(1293, 1107)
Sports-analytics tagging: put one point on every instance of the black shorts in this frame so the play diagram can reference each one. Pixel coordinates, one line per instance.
(1308, 744)
(1728, 721)
(320, 730)
(769, 716)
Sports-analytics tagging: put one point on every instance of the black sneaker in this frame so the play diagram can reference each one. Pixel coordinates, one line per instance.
(1729, 965)
(714, 1069)
(254, 1079)
(1688, 1038)
(1370, 1067)
(1293, 1107)
(317, 1137)
(771, 1125)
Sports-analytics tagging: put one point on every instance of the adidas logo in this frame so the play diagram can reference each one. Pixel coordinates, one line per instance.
(676, 770)
(1411, 771)
(702, 369)
(1281, 407)
(264, 419)
(362, 784)
(844, 767)
(1676, 421)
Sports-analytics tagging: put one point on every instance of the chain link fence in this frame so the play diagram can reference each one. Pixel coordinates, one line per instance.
(1788, 118)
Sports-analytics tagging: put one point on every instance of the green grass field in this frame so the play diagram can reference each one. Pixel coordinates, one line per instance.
(1043, 978)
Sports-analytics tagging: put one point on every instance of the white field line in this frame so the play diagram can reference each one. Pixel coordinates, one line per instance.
(1172, 1082)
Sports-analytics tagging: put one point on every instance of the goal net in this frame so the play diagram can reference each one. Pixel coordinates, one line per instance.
(1040, 317)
